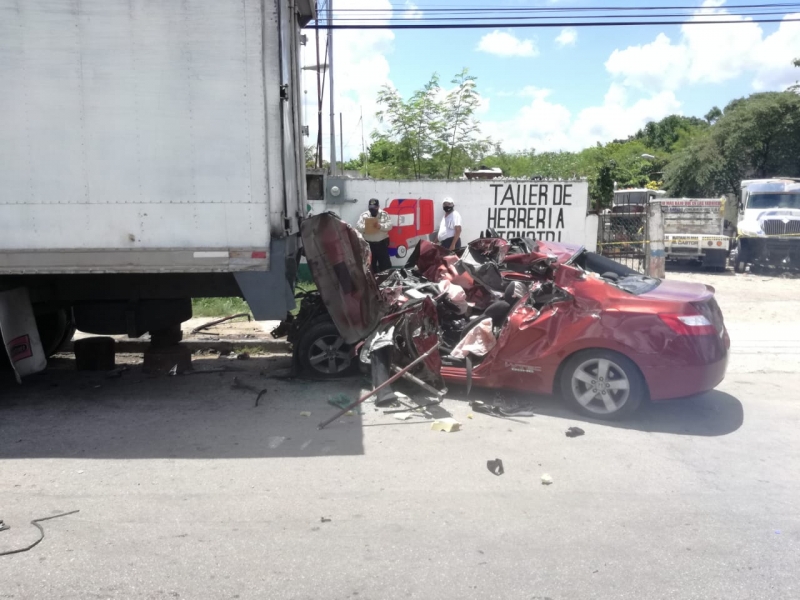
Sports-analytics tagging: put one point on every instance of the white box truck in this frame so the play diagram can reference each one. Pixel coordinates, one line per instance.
(694, 228)
(150, 152)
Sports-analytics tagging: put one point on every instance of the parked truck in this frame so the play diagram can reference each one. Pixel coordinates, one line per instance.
(694, 229)
(769, 224)
(150, 152)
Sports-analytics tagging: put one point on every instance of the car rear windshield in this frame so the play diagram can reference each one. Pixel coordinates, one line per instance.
(637, 284)
(764, 201)
(616, 273)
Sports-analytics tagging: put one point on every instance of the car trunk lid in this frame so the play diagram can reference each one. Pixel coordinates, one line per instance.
(680, 291)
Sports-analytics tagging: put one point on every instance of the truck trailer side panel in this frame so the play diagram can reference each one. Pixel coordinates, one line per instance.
(146, 136)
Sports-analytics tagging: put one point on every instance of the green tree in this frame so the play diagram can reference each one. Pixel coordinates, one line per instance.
(713, 115)
(526, 163)
(462, 129)
(388, 160)
(796, 86)
(310, 155)
(666, 135)
(416, 124)
(756, 137)
(601, 187)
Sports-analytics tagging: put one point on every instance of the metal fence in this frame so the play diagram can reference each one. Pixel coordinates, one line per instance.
(623, 237)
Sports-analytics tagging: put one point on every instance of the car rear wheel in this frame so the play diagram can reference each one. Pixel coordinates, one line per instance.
(323, 353)
(602, 384)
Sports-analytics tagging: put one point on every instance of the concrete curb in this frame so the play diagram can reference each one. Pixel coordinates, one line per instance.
(223, 346)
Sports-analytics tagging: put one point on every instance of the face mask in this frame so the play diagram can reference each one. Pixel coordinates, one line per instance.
(448, 209)
(373, 211)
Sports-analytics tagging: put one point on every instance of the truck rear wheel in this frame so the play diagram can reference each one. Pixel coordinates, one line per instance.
(55, 329)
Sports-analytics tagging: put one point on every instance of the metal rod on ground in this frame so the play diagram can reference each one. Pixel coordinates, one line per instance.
(389, 381)
(422, 384)
(218, 321)
(412, 408)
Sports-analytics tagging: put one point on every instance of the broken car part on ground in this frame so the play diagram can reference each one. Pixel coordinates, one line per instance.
(533, 316)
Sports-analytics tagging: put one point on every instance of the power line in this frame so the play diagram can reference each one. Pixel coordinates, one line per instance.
(527, 25)
(541, 18)
(461, 17)
(566, 9)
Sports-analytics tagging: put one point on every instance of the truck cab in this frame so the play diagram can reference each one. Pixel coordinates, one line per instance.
(769, 224)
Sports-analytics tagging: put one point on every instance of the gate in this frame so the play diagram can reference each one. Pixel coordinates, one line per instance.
(622, 236)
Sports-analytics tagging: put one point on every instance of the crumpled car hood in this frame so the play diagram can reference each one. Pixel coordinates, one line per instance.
(339, 262)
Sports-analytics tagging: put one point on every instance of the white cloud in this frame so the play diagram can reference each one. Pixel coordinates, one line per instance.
(501, 43)
(657, 65)
(711, 54)
(567, 37)
(412, 11)
(529, 91)
(545, 125)
(776, 54)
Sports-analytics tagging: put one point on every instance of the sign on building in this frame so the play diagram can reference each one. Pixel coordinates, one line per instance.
(544, 210)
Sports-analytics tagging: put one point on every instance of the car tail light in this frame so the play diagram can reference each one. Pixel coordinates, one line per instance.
(689, 324)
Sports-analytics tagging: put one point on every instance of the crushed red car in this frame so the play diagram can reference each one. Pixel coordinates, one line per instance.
(526, 315)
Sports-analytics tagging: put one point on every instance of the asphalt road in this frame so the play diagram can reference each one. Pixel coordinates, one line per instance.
(186, 489)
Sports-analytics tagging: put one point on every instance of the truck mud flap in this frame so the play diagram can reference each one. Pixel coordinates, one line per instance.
(715, 259)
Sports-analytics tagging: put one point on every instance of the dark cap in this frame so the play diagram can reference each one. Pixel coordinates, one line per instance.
(374, 202)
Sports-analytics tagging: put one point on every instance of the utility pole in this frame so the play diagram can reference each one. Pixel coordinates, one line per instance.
(318, 155)
(364, 146)
(341, 141)
(330, 87)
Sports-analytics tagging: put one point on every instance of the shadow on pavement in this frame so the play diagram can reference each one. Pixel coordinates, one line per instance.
(696, 267)
(62, 413)
(710, 414)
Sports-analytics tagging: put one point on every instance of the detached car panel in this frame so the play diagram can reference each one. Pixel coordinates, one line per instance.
(338, 259)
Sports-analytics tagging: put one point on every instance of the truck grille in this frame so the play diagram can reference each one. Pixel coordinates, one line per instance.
(778, 227)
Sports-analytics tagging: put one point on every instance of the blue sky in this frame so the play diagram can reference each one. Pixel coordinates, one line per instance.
(552, 90)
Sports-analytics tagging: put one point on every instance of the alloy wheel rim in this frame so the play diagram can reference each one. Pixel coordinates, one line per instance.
(330, 355)
(600, 386)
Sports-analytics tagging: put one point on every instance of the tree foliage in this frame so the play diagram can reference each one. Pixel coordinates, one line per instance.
(670, 133)
(462, 129)
(796, 87)
(432, 133)
(435, 134)
(756, 137)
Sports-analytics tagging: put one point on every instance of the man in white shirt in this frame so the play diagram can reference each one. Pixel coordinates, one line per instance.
(377, 236)
(450, 228)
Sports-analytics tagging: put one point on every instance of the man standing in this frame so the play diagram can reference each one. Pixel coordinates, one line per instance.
(374, 225)
(450, 227)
